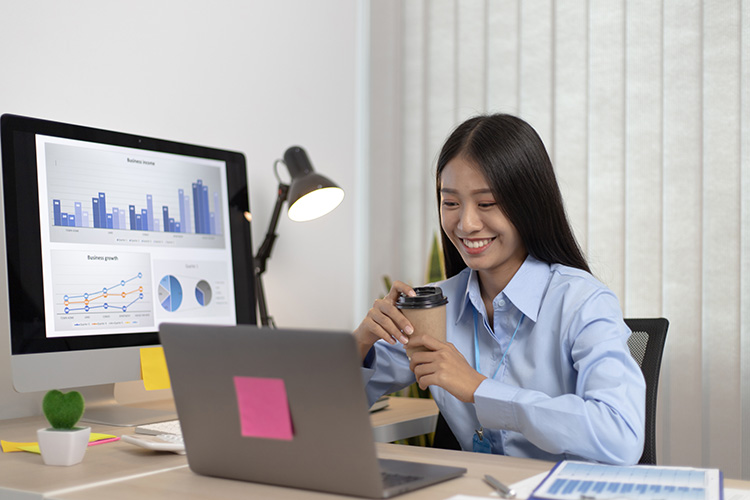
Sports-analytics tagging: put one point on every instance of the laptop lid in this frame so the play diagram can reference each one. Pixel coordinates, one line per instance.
(284, 407)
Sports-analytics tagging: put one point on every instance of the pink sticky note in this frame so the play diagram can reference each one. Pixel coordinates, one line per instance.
(264, 408)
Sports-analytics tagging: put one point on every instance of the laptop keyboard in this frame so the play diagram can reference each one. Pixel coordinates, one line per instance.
(394, 479)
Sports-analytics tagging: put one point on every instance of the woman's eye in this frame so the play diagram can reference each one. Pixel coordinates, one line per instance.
(487, 205)
(449, 204)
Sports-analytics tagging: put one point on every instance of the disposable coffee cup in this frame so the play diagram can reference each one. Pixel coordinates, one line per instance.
(426, 313)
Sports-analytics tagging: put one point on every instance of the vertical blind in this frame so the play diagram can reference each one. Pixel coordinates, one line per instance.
(644, 106)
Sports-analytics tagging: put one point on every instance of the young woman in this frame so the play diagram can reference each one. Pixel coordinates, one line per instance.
(536, 362)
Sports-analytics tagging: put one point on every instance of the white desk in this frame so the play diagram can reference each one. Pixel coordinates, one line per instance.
(182, 483)
(24, 476)
(120, 471)
(404, 418)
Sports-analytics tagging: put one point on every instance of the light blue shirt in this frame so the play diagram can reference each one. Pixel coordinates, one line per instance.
(568, 387)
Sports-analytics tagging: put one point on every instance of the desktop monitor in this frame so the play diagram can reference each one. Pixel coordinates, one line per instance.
(108, 235)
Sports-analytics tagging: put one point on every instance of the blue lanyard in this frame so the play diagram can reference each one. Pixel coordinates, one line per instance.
(476, 342)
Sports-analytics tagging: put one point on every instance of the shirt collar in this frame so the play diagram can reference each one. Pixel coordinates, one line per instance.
(525, 290)
(471, 289)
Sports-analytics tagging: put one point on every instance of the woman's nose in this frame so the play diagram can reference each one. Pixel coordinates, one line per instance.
(469, 221)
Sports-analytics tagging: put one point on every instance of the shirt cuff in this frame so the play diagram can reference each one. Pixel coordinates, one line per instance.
(494, 405)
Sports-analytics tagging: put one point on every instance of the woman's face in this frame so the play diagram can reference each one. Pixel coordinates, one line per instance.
(474, 222)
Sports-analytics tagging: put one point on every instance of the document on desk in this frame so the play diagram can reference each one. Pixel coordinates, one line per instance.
(571, 480)
(734, 494)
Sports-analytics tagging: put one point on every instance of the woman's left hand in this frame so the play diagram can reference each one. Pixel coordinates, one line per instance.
(443, 365)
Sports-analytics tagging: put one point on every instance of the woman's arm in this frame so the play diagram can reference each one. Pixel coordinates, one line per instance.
(603, 418)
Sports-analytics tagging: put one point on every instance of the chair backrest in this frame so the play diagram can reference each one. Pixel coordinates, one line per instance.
(647, 345)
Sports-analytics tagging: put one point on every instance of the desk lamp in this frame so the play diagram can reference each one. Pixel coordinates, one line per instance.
(310, 196)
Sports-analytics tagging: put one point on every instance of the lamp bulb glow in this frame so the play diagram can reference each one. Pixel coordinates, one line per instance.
(316, 204)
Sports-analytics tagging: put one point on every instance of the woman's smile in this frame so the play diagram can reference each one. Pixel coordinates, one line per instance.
(476, 246)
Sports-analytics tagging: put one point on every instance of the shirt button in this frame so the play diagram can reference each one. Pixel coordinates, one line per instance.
(501, 303)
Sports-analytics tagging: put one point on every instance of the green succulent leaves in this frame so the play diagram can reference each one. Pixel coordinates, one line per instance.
(63, 411)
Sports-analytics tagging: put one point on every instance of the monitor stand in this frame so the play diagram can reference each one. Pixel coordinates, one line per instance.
(103, 408)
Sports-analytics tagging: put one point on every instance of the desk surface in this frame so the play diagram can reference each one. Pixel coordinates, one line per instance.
(122, 471)
(25, 472)
(404, 418)
(182, 483)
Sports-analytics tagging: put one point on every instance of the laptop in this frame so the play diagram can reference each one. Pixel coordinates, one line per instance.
(282, 407)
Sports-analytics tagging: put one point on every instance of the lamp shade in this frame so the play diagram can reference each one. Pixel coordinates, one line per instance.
(311, 195)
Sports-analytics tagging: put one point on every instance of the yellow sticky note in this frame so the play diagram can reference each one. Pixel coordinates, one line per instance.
(99, 438)
(154, 369)
(9, 446)
(30, 447)
(94, 438)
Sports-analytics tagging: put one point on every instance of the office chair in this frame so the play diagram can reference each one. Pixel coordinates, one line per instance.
(646, 345)
(444, 437)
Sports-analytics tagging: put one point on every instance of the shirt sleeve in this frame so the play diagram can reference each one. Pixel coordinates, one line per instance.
(603, 417)
(385, 370)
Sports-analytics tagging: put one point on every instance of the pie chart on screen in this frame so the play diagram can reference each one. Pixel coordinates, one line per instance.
(170, 293)
(203, 293)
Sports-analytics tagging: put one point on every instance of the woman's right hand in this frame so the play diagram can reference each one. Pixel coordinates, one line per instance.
(385, 321)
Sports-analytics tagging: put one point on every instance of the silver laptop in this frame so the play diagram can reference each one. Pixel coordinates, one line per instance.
(315, 433)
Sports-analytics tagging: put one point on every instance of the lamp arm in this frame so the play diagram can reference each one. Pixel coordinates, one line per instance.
(264, 253)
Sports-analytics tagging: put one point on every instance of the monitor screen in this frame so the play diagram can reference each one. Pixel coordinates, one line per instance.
(109, 234)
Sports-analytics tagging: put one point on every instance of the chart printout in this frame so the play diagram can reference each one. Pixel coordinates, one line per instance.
(571, 480)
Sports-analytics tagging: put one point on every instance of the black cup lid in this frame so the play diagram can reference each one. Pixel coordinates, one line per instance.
(427, 296)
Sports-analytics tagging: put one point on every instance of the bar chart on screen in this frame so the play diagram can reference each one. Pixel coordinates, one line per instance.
(105, 197)
(191, 215)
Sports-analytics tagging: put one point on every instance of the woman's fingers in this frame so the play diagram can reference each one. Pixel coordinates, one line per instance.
(398, 288)
(388, 307)
(444, 366)
(385, 321)
(389, 325)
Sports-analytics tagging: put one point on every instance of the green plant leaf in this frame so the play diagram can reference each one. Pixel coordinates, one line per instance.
(388, 283)
(435, 265)
(63, 411)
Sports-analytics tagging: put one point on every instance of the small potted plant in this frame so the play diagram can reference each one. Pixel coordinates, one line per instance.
(63, 443)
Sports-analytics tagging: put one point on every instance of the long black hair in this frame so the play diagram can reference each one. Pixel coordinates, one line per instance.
(513, 159)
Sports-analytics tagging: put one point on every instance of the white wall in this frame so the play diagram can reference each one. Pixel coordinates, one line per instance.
(254, 76)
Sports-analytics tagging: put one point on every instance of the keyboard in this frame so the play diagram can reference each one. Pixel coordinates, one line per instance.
(172, 438)
(391, 479)
(167, 427)
(160, 442)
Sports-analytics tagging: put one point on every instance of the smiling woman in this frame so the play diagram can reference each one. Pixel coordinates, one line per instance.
(536, 362)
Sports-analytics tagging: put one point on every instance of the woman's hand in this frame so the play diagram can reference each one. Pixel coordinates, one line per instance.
(444, 366)
(385, 321)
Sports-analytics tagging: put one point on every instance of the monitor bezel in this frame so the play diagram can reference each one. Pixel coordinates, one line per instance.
(23, 232)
